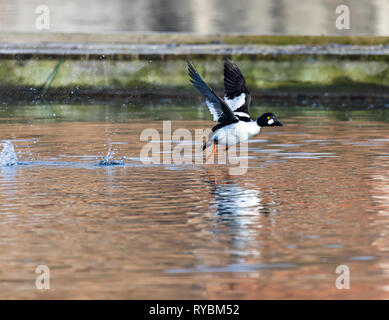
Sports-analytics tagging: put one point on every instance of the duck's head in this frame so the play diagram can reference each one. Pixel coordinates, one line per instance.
(268, 120)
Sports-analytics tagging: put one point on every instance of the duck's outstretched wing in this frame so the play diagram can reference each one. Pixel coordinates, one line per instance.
(236, 94)
(218, 108)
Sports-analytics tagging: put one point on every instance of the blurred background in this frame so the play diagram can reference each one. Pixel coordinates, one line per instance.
(303, 17)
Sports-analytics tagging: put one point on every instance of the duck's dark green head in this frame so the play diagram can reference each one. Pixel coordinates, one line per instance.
(268, 120)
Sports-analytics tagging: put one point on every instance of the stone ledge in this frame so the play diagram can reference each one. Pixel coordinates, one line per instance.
(130, 51)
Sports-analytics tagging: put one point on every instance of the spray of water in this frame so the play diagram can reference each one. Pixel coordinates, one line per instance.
(8, 156)
(109, 160)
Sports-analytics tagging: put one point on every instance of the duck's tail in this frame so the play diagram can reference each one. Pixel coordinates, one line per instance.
(209, 142)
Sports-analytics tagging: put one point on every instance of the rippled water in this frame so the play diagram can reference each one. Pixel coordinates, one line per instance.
(315, 196)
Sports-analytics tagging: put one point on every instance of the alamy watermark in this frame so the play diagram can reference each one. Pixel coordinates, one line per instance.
(43, 280)
(342, 281)
(343, 20)
(180, 147)
(42, 22)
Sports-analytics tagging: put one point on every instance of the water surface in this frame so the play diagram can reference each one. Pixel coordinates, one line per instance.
(315, 196)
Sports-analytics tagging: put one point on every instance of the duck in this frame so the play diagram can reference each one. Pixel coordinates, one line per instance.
(232, 113)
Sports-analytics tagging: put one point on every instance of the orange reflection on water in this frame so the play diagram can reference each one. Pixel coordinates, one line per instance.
(315, 196)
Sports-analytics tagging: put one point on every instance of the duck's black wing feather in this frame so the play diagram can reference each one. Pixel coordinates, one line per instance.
(236, 94)
(218, 108)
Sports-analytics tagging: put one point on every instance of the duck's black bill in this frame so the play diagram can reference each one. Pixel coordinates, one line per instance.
(278, 123)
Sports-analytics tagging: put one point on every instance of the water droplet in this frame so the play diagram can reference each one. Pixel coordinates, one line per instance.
(8, 156)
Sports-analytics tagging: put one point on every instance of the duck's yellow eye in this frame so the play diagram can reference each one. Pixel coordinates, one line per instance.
(268, 118)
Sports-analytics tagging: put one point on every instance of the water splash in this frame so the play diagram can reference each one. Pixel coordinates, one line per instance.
(8, 156)
(109, 160)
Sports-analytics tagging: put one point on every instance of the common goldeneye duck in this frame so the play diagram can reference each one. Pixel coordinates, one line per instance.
(232, 113)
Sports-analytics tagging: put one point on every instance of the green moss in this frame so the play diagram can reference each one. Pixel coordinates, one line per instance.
(303, 40)
(190, 38)
(259, 74)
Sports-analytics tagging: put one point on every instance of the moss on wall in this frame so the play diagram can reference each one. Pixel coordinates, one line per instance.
(260, 74)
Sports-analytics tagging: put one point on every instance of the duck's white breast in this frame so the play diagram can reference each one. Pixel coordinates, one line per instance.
(237, 132)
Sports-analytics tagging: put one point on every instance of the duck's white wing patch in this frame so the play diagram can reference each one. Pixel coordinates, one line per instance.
(242, 114)
(216, 112)
(237, 102)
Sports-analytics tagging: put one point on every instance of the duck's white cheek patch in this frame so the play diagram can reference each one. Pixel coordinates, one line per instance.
(270, 121)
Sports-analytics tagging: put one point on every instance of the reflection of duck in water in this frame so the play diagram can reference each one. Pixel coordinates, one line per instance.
(232, 114)
(380, 193)
(236, 205)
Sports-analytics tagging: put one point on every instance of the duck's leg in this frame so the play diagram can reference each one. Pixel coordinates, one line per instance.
(213, 151)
